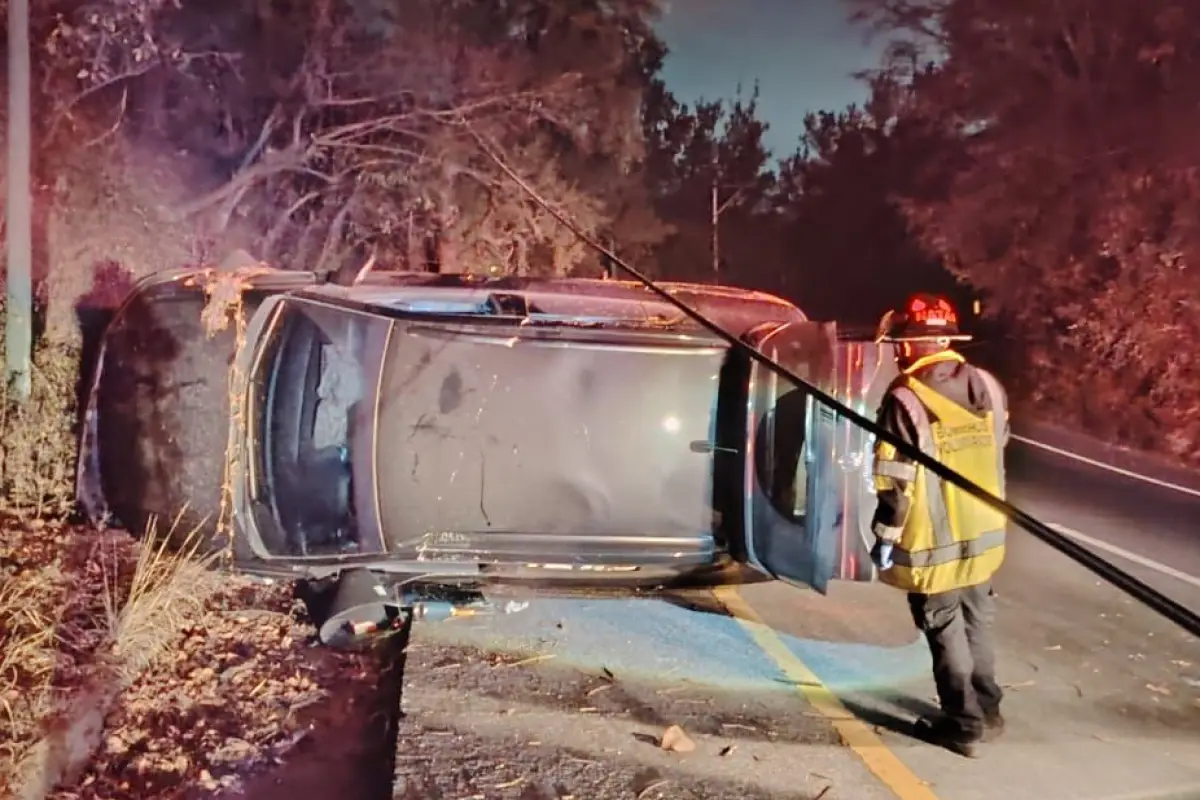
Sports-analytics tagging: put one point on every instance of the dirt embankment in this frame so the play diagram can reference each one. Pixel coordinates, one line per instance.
(130, 673)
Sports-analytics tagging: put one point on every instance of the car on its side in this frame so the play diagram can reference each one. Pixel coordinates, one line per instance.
(451, 429)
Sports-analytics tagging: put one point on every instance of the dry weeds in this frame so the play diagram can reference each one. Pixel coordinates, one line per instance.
(231, 699)
(37, 438)
(165, 590)
(82, 609)
(52, 626)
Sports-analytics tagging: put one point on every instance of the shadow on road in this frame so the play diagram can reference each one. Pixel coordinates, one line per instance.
(896, 713)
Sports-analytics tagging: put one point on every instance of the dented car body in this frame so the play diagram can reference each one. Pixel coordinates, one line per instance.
(460, 430)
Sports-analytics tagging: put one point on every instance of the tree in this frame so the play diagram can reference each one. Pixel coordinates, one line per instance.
(693, 150)
(341, 128)
(853, 254)
(1071, 197)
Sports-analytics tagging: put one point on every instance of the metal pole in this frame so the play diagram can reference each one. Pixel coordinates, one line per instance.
(19, 213)
(716, 248)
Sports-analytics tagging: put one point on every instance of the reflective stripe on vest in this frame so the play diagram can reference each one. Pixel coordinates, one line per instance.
(899, 470)
(944, 554)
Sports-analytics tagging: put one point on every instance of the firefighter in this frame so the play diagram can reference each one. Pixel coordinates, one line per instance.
(934, 541)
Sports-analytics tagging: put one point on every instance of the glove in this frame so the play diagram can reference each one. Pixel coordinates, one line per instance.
(881, 554)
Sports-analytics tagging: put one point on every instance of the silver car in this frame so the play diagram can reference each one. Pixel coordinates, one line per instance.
(462, 430)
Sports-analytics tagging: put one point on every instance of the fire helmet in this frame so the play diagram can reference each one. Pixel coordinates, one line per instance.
(923, 318)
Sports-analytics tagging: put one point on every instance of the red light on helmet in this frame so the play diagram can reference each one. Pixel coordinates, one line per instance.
(938, 315)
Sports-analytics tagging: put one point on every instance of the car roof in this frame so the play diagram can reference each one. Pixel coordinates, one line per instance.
(587, 287)
(567, 301)
(556, 301)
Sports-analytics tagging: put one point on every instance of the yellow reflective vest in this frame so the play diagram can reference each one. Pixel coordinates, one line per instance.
(950, 540)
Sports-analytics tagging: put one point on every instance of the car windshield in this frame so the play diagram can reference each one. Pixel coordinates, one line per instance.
(313, 398)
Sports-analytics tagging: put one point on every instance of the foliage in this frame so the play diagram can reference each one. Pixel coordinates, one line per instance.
(38, 437)
(1036, 153)
(1066, 189)
(341, 129)
(841, 200)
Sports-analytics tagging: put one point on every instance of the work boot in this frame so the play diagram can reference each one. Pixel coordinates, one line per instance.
(942, 732)
(993, 726)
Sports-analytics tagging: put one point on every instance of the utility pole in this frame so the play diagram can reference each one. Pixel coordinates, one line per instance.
(716, 241)
(719, 208)
(18, 331)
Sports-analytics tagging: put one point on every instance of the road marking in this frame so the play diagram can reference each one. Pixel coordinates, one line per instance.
(1099, 544)
(856, 734)
(1120, 471)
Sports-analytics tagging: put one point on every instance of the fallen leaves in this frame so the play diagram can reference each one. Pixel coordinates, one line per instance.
(225, 703)
(56, 582)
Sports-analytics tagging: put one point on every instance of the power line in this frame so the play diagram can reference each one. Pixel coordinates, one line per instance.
(1140, 591)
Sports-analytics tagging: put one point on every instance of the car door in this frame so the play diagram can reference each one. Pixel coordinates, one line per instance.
(792, 511)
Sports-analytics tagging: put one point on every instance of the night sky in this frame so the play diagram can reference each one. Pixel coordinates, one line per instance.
(801, 52)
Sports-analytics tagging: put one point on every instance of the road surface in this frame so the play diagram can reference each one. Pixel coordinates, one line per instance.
(788, 694)
(1141, 526)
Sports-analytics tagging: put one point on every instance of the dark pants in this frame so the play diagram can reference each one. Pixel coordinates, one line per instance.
(958, 627)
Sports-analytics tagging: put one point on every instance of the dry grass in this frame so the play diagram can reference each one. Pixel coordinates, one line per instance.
(80, 608)
(28, 646)
(238, 694)
(50, 619)
(37, 438)
(167, 589)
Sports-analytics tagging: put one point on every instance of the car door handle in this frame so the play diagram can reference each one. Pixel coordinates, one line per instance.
(701, 446)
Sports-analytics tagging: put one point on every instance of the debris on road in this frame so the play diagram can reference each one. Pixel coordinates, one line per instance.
(526, 661)
(530, 734)
(674, 740)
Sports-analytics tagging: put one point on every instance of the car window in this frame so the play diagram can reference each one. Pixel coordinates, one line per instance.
(782, 411)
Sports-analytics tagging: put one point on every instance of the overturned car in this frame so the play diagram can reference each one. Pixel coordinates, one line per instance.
(454, 430)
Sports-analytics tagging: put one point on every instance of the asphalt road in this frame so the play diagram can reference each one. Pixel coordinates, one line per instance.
(569, 695)
(1150, 530)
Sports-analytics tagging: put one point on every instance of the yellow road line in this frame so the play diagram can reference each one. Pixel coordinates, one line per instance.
(856, 734)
